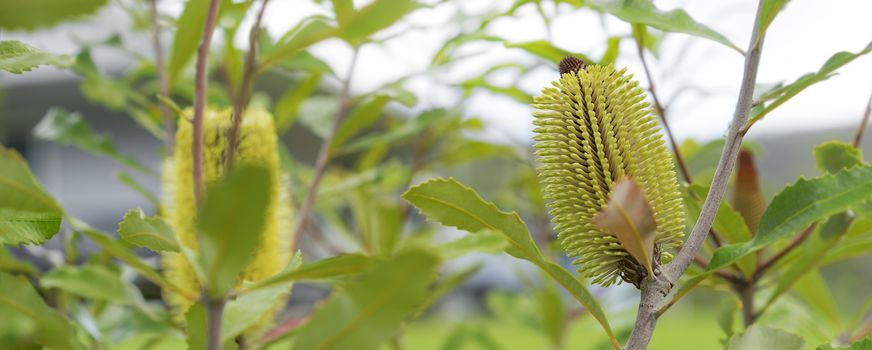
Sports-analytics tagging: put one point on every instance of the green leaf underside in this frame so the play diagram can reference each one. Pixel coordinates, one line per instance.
(18, 299)
(366, 312)
(28, 215)
(336, 266)
(643, 11)
(231, 223)
(355, 26)
(452, 204)
(798, 206)
(70, 129)
(147, 232)
(768, 10)
(17, 57)
(121, 252)
(786, 92)
(309, 31)
(245, 311)
(758, 338)
(34, 14)
(830, 157)
(90, 281)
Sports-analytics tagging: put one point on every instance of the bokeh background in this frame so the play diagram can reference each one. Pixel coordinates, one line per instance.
(697, 79)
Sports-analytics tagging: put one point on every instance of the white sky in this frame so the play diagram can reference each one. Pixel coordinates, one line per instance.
(802, 37)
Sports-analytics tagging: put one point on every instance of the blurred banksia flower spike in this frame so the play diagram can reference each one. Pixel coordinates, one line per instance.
(607, 171)
(257, 146)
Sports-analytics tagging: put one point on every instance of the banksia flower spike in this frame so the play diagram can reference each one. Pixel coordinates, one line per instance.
(606, 169)
(257, 146)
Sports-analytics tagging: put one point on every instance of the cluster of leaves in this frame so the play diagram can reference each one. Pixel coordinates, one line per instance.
(386, 267)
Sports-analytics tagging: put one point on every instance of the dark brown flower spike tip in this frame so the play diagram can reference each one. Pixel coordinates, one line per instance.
(570, 64)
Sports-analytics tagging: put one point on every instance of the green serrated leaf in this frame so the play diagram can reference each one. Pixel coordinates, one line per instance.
(128, 180)
(812, 254)
(446, 285)
(786, 92)
(28, 214)
(452, 204)
(644, 11)
(552, 314)
(246, 311)
(363, 116)
(317, 114)
(34, 14)
(547, 51)
(757, 338)
(91, 282)
(17, 57)
(380, 14)
(288, 105)
(446, 52)
(768, 10)
(119, 251)
(189, 29)
(69, 129)
(231, 223)
(305, 61)
(833, 156)
(309, 31)
(863, 344)
(365, 313)
(147, 232)
(18, 299)
(813, 290)
(196, 327)
(798, 206)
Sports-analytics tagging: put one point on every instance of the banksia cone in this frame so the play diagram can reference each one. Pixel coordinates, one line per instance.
(257, 146)
(594, 130)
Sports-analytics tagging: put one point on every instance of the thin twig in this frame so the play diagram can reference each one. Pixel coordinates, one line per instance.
(661, 112)
(214, 318)
(169, 138)
(729, 277)
(865, 121)
(244, 93)
(865, 329)
(795, 242)
(655, 290)
(324, 153)
(746, 294)
(200, 99)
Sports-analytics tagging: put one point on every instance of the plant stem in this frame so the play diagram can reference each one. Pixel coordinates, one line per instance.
(655, 290)
(863, 123)
(795, 242)
(169, 138)
(661, 112)
(200, 99)
(324, 153)
(746, 293)
(214, 318)
(244, 93)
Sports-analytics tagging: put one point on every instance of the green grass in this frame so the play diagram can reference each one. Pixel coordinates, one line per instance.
(682, 328)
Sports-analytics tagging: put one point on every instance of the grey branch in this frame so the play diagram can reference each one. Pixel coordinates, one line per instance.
(655, 290)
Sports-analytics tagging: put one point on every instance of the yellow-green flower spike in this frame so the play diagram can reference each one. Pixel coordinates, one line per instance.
(258, 146)
(592, 128)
